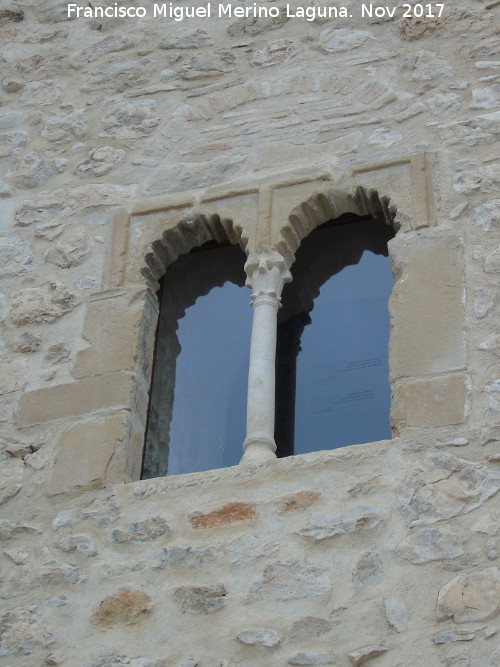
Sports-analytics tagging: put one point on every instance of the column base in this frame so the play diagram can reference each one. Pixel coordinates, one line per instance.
(258, 449)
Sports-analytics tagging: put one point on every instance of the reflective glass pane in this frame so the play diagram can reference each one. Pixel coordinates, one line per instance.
(332, 355)
(198, 402)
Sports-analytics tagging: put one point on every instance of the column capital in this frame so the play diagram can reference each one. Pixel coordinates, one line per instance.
(267, 272)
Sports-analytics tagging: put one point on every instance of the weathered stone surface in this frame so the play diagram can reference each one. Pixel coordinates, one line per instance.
(310, 658)
(443, 486)
(361, 655)
(22, 630)
(57, 354)
(102, 512)
(143, 531)
(101, 160)
(290, 580)
(190, 556)
(127, 607)
(262, 637)
(130, 120)
(121, 76)
(298, 501)
(396, 614)
(459, 656)
(470, 597)
(492, 262)
(42, 304)
(483, 301)
(16, 256)
(337, 40)
(18, 555)
(30, 171)
(56, 573)
(454, 635)
(78, 463)
(305, 628)
(223, 516)
(209, 65)
(76, 398)
(431, 402)
(82, 543)
(361, 517)
(8, 529)
(11, 478)
(425, 66)
(477, 179)
(200, 599)
(444, 104)
(369, 570)
(42, 93)
(27, 343)
(13, 376)
(185, 38)
(488, 523)
(123, 661)
(110, 44)
(424, 346)
(486, 98)
(63, 128)
(482, 129)
(72, 250)
(384, 137)
(246, 548)
(273, 53)
(427, 544)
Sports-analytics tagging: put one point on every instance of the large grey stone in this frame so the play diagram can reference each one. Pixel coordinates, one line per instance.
(443, 486)
(82, 543)
(143, 531)
(189, 556)
(290, 580)
(72, 250)
(424, 545)
(337, 40)
(23, 630)
(247, 548)
(470, 597)
(309, 626)
(396, 614)
(454, 635)
(368, 571)
(11, 478)
(261, 637)
(101, 160)
(361, 655)
(42, 304)
(16, 256)
(200, 599)
(486, 216)
(361, 517)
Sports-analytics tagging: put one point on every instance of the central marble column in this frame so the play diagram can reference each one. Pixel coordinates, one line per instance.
(267, 274)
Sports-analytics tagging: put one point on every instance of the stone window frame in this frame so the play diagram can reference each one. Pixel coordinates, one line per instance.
(267, 215)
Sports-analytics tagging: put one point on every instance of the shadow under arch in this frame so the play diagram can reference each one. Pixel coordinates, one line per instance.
(184, 272)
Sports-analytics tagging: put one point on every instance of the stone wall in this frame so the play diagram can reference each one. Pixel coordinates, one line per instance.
(112, 132)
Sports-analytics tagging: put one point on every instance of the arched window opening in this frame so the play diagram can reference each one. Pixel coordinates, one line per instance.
(332, 378)
(197, 406)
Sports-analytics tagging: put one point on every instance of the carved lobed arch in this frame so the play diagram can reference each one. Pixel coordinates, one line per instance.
(328, 205)
(186, 235)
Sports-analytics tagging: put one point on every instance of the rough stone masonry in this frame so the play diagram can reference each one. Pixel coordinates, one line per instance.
(127, 137)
